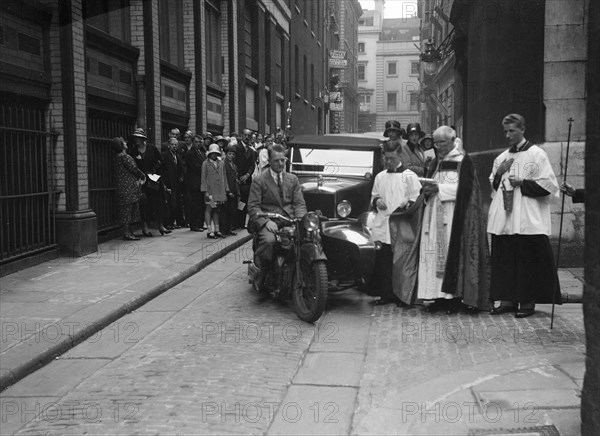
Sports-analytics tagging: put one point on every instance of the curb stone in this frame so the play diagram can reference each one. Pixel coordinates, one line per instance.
(14, 375)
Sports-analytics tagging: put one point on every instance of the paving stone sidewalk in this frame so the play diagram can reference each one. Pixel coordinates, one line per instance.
(47, 309)
(438, 374)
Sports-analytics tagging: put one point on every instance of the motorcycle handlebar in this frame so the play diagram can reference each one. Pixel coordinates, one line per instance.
(275, 215)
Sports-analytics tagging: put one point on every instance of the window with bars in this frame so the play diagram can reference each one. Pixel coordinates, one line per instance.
(305, 77)
(414, 101)
(414, 68)
(278, 78)
(312, 83)
(250, 39)
(171, 31)
(296, 69)
(392, 69)
(109, 16)
(213, 43)
(392, 99)
(361, 71)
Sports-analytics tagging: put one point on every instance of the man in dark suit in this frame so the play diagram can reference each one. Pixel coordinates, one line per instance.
(273, 191)
(245, 159)
(193, 178)
(172, 172)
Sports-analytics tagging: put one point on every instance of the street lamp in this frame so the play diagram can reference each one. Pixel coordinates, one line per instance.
(288, 127)
(432, 55)
(431, 58)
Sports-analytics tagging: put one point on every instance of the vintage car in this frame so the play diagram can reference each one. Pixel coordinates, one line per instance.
(336, 173)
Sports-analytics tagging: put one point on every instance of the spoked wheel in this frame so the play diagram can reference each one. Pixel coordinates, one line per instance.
(310, 300)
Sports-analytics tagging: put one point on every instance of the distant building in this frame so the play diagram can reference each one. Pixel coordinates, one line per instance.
(388, 69)
(344, 17)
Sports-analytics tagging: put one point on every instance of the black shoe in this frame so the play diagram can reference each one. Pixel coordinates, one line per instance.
(436, 306)
(524, 313)
(503, 309)
(147, 234)
(383, 302)
(131, 238)
(196, 229)
(164, 232)
(218, 234)
(469, 309)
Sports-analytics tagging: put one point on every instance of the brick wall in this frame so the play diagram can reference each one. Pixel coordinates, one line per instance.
(80, 105)
(226, 45)
(55, 112)
(189, 56)
(137, 41)
(154, 125)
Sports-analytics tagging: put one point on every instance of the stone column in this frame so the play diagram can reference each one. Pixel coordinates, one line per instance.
(565, 54)
(76, 225)
(590, 397)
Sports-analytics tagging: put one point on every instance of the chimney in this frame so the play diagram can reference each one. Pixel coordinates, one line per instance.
(378, 16)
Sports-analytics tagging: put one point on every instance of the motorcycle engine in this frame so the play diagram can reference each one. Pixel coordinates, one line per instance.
(284, 236)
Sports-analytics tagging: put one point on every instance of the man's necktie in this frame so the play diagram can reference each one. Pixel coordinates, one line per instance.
(280, 186)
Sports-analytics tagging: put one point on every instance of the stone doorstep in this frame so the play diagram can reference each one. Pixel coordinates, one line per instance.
(441, 388)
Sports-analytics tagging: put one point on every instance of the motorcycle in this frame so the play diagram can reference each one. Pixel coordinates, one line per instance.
(298, 268)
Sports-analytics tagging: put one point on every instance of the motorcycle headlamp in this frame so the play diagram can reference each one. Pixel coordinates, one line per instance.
(344, 208)
(311, 221)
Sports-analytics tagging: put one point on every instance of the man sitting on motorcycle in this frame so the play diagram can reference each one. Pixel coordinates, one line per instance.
(273, 191)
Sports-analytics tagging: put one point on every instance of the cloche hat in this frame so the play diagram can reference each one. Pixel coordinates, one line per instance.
(393, 125)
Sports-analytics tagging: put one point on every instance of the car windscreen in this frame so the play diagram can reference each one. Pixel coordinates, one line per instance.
(332, 162)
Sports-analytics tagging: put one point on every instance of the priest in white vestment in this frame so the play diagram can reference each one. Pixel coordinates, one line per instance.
(453, 267)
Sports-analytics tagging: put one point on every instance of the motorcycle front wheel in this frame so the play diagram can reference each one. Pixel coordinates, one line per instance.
(310, 300)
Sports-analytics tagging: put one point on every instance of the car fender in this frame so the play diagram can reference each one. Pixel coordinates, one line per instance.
(359, 237)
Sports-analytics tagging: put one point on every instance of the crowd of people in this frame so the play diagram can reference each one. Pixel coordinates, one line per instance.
(433, 232)
(201, 182)
(429, 219)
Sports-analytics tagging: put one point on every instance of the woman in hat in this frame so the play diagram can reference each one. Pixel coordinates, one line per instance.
(148, 159)
(129, 181)
(215, 187)
(393, 130)
(413, 155)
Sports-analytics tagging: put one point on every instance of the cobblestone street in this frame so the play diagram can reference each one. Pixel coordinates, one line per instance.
(209, 356)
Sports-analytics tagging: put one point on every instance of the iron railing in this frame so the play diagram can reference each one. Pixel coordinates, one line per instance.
(26, 178)
(102, 127)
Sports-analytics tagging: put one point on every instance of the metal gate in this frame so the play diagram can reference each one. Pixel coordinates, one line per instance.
(102, 127)
(26, 179)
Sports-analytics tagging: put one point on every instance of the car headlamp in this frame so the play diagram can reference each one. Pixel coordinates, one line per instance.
(344, 208)
(311, 221)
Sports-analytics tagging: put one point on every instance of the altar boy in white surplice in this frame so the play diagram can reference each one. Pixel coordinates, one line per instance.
(394, 188)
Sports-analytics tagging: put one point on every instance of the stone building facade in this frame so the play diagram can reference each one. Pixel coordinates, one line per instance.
(74, 74)
(539, 59)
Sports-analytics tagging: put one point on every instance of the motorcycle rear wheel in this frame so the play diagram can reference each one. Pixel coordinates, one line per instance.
(310, 300)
